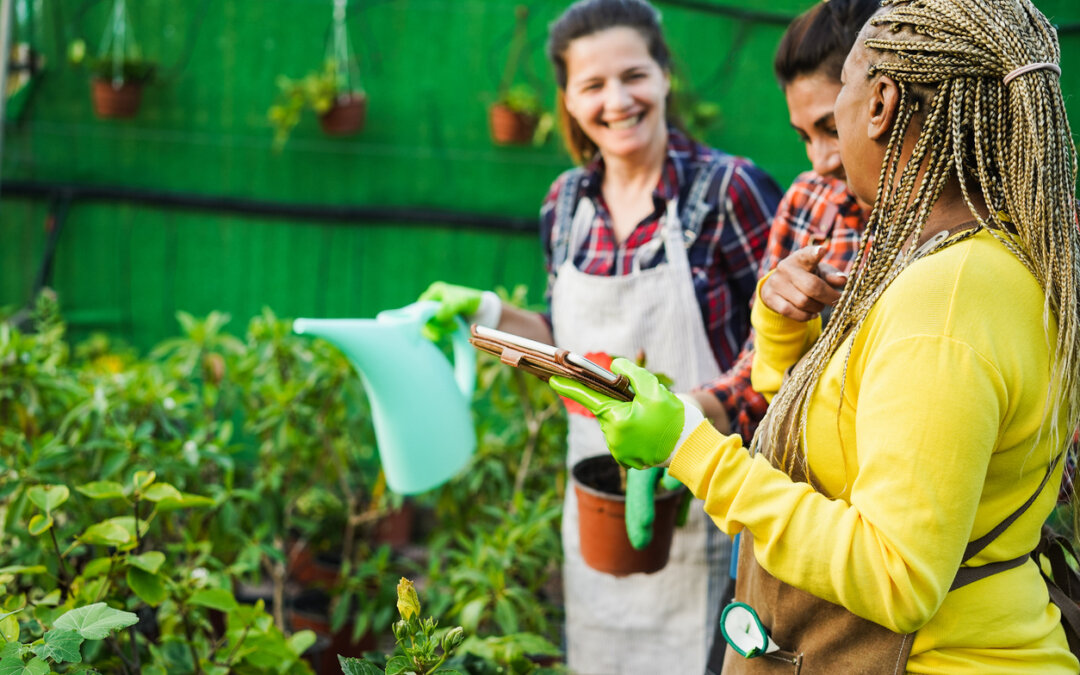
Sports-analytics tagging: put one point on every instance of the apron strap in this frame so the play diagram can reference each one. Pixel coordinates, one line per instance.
(967, 575)
(565, 208)
(696, 208)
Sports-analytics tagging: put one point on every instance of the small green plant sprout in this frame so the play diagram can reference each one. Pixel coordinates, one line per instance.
(60, 644)
(421, 648)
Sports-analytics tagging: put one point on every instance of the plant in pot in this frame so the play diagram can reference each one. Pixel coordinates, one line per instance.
(119, 72)
(626, 518)
(333, 92)
(517, 117)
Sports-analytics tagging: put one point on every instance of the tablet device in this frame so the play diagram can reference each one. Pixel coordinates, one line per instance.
(543, 361)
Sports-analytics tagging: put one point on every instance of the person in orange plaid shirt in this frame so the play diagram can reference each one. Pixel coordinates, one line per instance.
(818, 208)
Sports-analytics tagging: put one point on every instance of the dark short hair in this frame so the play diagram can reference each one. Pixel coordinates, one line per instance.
(584, 18)
(820, 38)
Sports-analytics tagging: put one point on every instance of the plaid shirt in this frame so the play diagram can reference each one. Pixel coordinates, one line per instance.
(815, 210)
(723, 259)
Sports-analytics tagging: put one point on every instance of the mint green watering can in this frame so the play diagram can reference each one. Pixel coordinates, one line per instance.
(419, 403)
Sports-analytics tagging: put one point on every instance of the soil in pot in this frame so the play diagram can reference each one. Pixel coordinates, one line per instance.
(509, 127)
(112, 102)
(605, 545)
(346, 116)
(310, 610)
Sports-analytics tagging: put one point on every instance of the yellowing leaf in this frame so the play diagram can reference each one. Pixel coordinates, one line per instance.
(408, 604)
(39, 524)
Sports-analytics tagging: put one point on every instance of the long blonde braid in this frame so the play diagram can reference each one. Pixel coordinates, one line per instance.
(1011, 141)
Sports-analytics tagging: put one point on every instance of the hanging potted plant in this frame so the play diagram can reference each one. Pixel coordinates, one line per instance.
(516, 117)
(333, 92)
(119, 72)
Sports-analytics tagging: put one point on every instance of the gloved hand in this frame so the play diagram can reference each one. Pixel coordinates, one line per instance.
(639, 433)
(474, 306)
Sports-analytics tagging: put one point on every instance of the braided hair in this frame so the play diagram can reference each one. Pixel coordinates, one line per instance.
(1011, 142)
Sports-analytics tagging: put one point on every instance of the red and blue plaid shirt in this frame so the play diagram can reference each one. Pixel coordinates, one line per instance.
(815, 210)
(723, 259)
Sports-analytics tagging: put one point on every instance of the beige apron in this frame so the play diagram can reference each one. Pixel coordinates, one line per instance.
(641, 624)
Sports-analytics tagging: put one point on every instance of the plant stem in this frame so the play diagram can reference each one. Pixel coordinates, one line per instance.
(276, 570)
(114, 644)
(135, 649)
(191, 641)
(64, 583)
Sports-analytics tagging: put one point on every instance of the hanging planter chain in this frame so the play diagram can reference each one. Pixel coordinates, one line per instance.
(340, 53)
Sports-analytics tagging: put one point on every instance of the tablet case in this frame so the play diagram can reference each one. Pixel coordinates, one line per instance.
(544, 366)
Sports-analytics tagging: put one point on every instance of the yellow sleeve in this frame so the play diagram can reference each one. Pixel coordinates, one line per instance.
(889, 553)
(779, 343)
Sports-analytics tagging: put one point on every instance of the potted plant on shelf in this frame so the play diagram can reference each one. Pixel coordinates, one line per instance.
(119, 72)
(516, 117)
(334, 92)
(341, 111)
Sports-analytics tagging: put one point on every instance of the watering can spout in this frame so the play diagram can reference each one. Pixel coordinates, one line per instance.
(420, 405)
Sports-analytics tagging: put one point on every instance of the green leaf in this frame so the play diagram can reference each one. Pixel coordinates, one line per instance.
(183, 501)
(102, 489)
(60, 646)
(9, 628)
(354, 666)
(23, 569)
(148, 586)
(160, 491)
(399, 665)
(107, 533)
(214, 598)
(142, 480)
(16, 667)
(302, 640)
(150, 561)
(48, 497)
(40, 524)
(96, 621)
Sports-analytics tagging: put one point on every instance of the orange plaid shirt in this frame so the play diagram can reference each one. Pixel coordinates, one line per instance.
(815, 210)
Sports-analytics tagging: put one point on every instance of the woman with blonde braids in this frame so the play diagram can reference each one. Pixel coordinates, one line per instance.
(913, 447)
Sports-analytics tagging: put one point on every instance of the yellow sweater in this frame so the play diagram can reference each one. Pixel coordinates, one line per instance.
(934, 446)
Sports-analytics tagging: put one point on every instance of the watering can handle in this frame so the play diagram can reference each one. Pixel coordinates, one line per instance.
(464, 354)
(464, 359)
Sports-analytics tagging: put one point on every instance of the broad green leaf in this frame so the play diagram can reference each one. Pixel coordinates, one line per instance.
(302, 640)
(160, 491)
(48, 497)
(214, 598)
(34, 666)
(142, 480)
(40, 524)
(107, 533)
(9, 628)
(23, 569)
(96, 621)
(186, 500)
(150, 561)
(102, 489)
(60, 646)
(399, 665)
(97, 567)
(51, 599)
(354, 666)
(149, 587)
(11, 650)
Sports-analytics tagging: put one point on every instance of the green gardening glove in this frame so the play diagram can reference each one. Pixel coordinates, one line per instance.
(453, 301)
(640, 433)
(641, 505)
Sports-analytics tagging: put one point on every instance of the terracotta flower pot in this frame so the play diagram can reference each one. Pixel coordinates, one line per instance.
(311, 611)
(115, 102)
(346, 116)
(605, 545)
(310, 569)
(509, 127)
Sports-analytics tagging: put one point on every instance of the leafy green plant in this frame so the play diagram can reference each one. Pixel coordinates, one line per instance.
(697, 116)
(316, 91)
(60, 644)
(421, 648)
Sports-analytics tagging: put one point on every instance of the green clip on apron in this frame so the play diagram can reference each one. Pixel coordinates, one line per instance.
(641, 624)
